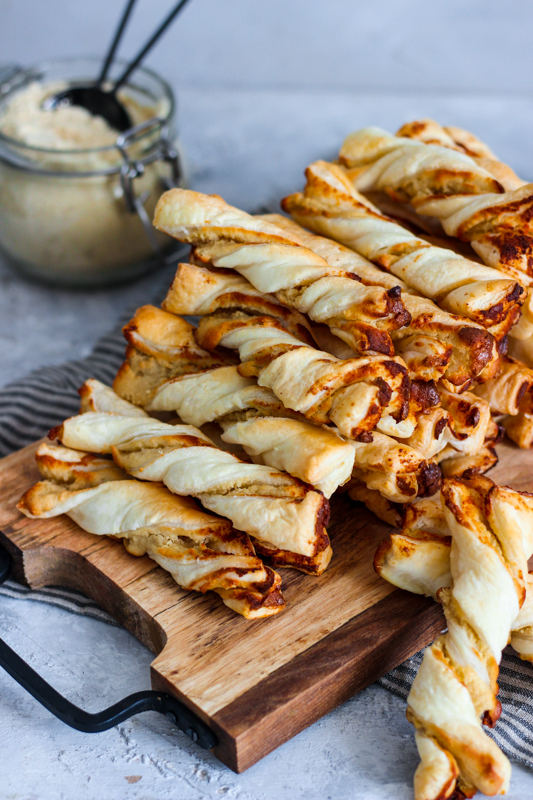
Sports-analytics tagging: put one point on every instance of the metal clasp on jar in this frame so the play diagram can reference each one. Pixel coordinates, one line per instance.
(165, 151)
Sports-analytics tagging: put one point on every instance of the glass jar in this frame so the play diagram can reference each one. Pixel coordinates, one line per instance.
(82, 216)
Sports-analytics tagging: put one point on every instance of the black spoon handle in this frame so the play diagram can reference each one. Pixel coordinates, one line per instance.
(148, 46)
(186, 720)
(115, 42)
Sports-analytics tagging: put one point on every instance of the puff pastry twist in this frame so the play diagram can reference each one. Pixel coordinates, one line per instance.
(330, 205)
(202, 552)
(430, 132)
(491, 531)
(254, 418)
(354, 394)
(509, 392)
(417, 559)
(286, 518)
(276, 262)
(463, 194)
(160, 346)
(434, 344)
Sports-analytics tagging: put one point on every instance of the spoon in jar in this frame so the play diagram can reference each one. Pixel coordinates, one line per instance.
(101, 102)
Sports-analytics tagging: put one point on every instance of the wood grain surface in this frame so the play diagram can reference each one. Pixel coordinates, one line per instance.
(256, 683)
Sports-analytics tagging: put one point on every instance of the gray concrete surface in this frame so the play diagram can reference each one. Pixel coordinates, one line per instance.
(264, 89)
(442, 45)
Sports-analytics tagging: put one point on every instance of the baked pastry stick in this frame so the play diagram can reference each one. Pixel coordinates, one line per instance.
(354, 394)
(160, 346)
(202, 552)
(496, 223)
(434, 344)
(316, 454)
(520, 430)
(286, 518)
(206, 290)
(96, 396)
(196, 290)
(323, 388)
(430, 132)
(492, 539)
(254, 418)
(409, 170)
(331, 206)
(276, 262)
(460, 427)
(519, 427)
(459, 435)
(417, 559)
(510, 391)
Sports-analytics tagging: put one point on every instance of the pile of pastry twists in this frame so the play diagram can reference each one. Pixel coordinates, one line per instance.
(377, 340)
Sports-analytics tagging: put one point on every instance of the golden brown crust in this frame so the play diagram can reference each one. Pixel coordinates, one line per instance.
(492, 535)
(495, 218)
(161, 347)
(519, 429)
(202, 552)
(362, 315)
(330, 205)
(408, 169)
(509, 392)
(268, 504)
(197, 289)
(353, 394)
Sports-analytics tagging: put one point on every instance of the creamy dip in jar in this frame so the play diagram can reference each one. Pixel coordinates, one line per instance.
(76, 198)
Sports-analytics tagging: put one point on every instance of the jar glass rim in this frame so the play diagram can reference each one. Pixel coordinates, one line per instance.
(43, 65)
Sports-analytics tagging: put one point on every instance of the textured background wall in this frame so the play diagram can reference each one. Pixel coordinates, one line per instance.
(440, 45)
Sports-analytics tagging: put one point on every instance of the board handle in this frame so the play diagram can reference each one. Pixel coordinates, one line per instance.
(175, 711)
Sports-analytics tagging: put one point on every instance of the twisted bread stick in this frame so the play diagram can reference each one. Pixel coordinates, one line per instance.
(317, 455)
(459, 433)
(417, 559)
(75, 469)
(433, 344)
(497, 226)
(353, 394)
(96, 396)
(196, 290)
(408, 169)
(519, 429)
(263, 339)
(253, 417)
(161, 346)
(201, 552)
(330, 205)
(285, 517)
(510, 391)
(430, 132)
(276, 262)
(492, 539)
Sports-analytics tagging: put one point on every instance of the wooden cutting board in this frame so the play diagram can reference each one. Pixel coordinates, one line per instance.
(255, 683)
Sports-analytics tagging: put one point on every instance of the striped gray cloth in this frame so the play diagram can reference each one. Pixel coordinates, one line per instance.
(30, 407)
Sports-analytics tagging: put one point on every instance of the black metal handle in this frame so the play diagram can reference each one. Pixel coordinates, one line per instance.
(186, 720)
(148, 46)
